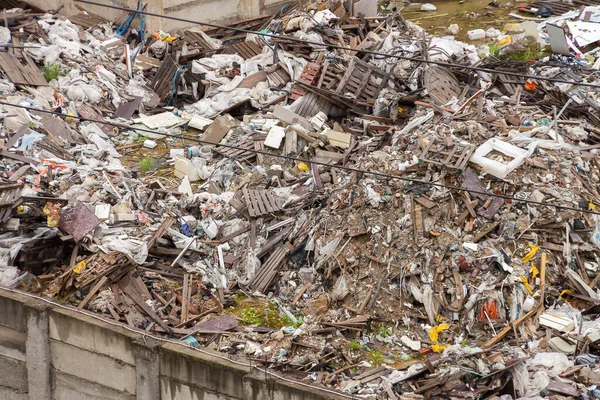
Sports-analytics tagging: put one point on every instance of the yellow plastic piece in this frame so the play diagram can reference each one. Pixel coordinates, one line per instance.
(435, 331)
(303, 167)
(438, 348)
(80, 267)
(524, 280)
(529, 256)
(534, 271)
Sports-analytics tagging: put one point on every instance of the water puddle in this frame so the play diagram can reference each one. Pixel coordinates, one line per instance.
(467, 14)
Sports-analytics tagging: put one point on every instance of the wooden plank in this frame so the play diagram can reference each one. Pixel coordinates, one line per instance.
(185, 298)
(509, 328)
(15, 138)
(93, 292)
(248, 201)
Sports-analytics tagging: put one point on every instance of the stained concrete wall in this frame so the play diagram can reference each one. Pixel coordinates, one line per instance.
(54, 353)
(215, 11)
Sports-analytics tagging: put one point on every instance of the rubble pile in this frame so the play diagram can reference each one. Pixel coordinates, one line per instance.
(344, 199)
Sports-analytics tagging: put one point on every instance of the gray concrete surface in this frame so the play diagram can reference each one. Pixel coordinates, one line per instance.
(51, 353)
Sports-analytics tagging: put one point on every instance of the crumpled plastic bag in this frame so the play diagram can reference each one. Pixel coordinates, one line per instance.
(104, 145)
(386, 105)
(137, 251)
(441, 49)
(556, 363)
(84, 93)
(47, 54)
(5, 35)
(374, 197)
(340, 289)
(252, 265)
(331, 246)
(596, 234)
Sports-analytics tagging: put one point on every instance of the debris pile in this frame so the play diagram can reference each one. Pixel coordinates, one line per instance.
(344, 199)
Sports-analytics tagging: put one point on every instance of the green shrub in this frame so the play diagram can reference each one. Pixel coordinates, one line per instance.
(51, 71)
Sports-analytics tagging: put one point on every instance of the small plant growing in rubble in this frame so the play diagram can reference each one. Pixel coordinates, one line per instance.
(250, 316)
(51, 71)
(354, 346)
(146, 164)
(376, 357)
(384, 331)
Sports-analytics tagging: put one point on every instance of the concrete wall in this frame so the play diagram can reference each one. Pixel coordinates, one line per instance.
(49, 353)
(216, 11)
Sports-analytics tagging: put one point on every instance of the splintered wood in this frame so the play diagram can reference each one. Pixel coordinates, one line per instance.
(21, 70)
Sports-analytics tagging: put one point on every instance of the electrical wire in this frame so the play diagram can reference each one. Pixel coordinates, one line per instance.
(176, 342)
(314, 162)
(332, 46)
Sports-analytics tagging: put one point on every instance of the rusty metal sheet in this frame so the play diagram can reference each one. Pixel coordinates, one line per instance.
(78, 221)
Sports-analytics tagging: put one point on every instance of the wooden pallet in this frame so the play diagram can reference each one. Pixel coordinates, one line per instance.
(441, 84)
(259, 202)
(510, 83)
(227, 35)
(377, 141)
(10, 4)
(364, 81)
(299, 49)
(246, 50)
(277, 75)
(267, 273)
(162, 84)
(331, 75)
(244, 152)
(196, 40)
(456, 156)
(310, 76)
(10, 198)
(20, 69)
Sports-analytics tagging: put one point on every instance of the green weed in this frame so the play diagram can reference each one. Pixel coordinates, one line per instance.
(146, 164)
(251, 316)
(376, 357)
(354, 346)
(384, 331)
(51, 71)
(494, 50)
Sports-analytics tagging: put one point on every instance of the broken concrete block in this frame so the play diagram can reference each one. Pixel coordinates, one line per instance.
(557, 321)
(537, 196)
(124, 217)
(275, 136)
(291, 118)
(102, 211)
(339, 139)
